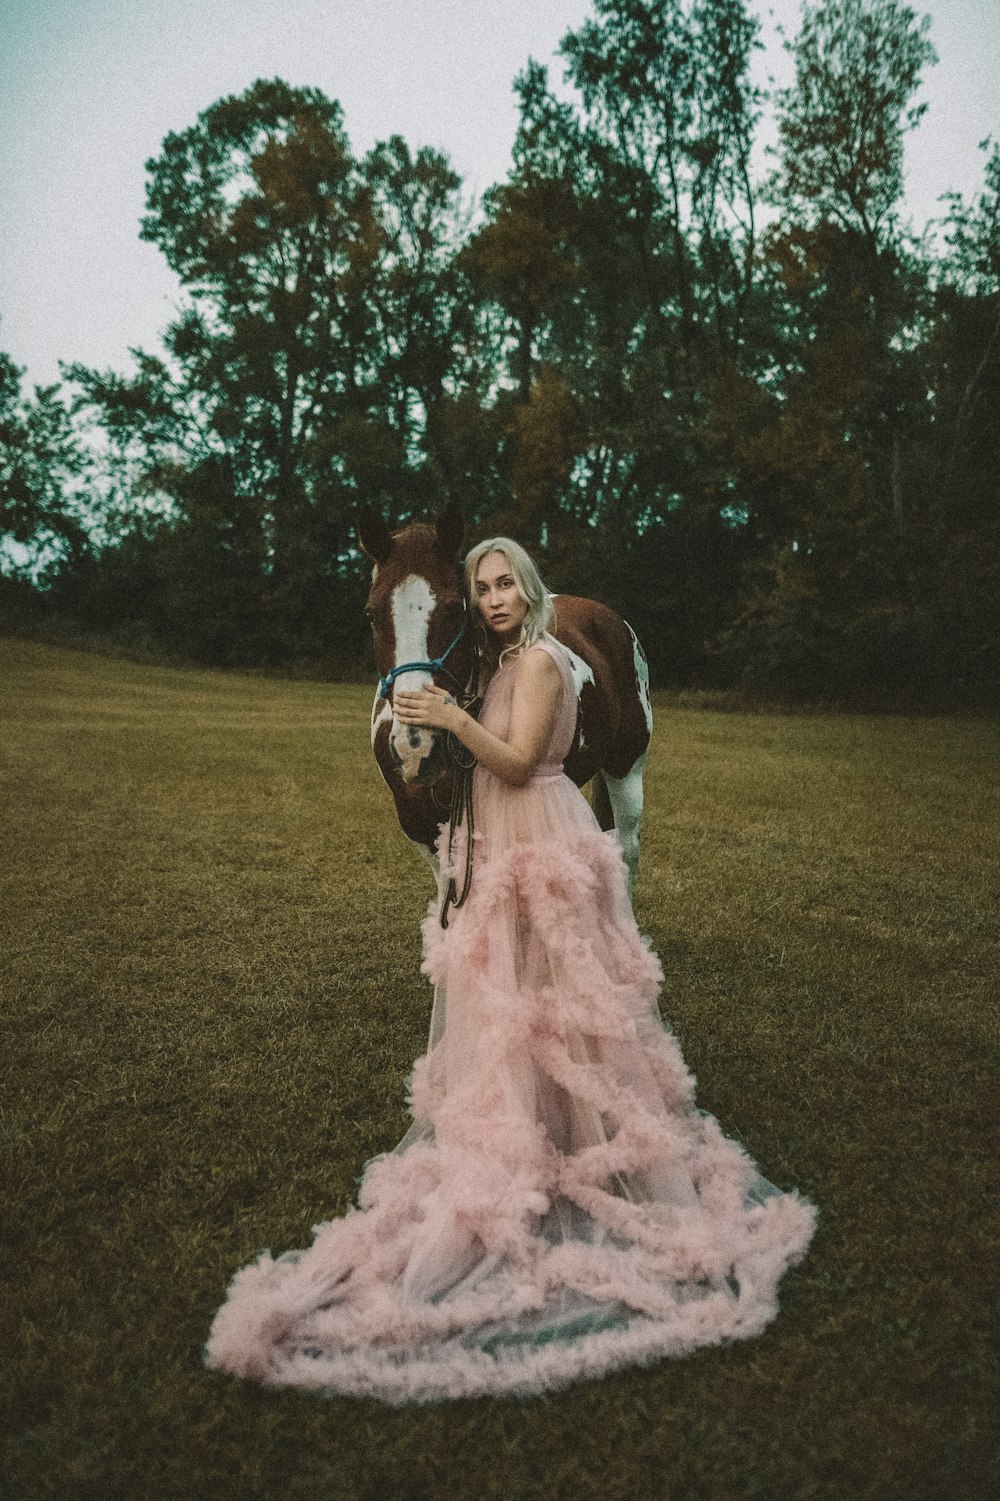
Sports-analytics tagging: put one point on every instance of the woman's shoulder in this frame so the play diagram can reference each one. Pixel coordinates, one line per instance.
(537, 662)
(549, 656)
(548, 646)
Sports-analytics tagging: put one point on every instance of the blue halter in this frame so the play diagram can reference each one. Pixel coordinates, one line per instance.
(436, 665)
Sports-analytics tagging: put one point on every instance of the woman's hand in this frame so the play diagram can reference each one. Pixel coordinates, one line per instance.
(433, 707)
(534, 707)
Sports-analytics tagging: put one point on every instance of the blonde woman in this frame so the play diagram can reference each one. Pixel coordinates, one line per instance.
(559, 1207)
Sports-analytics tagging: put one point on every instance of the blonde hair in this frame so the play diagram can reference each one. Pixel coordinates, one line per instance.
(527, 579)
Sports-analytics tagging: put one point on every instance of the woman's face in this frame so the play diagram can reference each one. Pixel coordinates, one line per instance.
(497, 598)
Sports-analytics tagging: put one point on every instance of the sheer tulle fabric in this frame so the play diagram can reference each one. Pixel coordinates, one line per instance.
(559, 1207)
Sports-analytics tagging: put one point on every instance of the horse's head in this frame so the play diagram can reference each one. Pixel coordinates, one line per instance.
(417, 611)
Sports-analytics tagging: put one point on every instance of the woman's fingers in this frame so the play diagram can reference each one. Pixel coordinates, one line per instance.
(422, 707)
(412, 708)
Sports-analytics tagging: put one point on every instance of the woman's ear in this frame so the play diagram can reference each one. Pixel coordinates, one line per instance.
(374, 537)
(450, 529)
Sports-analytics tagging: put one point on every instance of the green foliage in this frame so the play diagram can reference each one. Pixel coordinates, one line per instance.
(840, 600)
(304, 373)
(41, 459)
(776, 452)
(857, 65)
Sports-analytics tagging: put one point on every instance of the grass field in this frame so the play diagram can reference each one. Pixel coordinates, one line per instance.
(211, 996)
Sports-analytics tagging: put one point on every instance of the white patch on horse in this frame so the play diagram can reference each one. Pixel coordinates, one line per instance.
(581, 675)
(641, 678)
(379, 716)
(413, 602)
(625, 796)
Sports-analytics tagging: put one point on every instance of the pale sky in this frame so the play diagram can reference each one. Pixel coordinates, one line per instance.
(89, 88)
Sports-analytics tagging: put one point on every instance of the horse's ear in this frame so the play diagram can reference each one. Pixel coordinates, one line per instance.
(374, 537)
(450, 529)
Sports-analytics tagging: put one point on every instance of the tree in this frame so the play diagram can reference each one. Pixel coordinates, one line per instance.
(842, 124)
(419, 316)
(301, 375)
(260, 211)
(830, 467)
(957, 463)
(620, 253)
(41, 462)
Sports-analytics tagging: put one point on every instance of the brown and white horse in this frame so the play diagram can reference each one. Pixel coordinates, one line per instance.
(417, 611)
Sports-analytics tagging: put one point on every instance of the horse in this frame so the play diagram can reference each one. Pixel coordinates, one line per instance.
(422, 633)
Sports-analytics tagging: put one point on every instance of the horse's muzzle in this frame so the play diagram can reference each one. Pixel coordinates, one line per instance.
(415, 770)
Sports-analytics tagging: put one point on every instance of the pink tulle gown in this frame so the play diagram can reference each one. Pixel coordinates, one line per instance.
(559, 1207)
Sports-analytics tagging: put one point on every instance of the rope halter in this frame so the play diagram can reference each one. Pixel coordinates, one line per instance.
(462, 766)
(436, 664)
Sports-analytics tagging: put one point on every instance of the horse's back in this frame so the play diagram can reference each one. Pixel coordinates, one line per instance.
(615, 722)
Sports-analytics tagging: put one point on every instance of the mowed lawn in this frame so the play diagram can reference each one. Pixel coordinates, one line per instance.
(211, 997)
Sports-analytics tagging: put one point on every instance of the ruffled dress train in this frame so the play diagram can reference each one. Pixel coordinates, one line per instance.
(559, 1208)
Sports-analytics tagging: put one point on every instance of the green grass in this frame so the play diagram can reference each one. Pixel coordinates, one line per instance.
(211, 996)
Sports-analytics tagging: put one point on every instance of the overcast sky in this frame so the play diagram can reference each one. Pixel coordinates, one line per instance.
(89, 88)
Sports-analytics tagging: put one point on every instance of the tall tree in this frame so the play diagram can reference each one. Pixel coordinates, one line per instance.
(260, 211)
(621, 252)
(842, 124)
(957, 461)
(418, 313)
(829, 466)
(316, 339)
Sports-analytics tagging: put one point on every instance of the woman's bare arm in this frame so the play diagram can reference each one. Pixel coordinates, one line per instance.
(533, 712)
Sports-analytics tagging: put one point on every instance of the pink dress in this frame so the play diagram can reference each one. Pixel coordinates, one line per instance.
(559, 1208)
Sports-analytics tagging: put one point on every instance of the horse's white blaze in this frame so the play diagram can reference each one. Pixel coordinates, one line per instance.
(413, 602)
(581, 674)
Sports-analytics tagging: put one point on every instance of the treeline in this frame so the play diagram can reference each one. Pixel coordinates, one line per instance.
(760, 418)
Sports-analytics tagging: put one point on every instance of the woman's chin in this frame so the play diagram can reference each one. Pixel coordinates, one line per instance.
(505, 634)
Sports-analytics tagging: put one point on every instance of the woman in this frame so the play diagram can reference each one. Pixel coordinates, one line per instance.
(559, 1207)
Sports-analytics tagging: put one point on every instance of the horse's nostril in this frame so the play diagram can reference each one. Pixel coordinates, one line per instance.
(433, 765)
(413, 735)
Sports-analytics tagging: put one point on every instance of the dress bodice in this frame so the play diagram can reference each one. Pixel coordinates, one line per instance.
(495, 713)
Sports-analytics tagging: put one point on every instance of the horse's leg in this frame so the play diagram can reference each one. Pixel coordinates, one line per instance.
(625, 797)
(435, 865)
(603, 811)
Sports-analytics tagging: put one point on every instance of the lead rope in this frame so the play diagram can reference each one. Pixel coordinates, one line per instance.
(464, 763)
